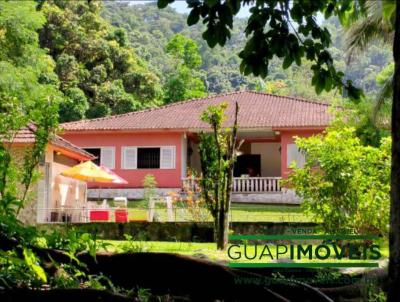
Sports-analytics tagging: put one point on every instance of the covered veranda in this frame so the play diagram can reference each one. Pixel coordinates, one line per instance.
(258, 168)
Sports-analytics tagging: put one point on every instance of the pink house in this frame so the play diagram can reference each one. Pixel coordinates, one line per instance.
(164, 142)
(53, 198)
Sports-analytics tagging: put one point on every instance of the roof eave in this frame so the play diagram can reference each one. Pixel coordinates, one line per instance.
(83, 131)
(197, 129)
(291, 128)
(72, 153)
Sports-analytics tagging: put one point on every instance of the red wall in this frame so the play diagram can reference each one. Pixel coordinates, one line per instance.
(166, 178)
(287, 137)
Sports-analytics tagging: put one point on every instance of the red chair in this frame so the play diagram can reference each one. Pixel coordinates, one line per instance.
(121, 216)
(99, 215)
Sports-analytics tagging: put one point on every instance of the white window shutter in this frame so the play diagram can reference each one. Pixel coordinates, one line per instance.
(301, 159)
(129, 158)
(295, 155)
(107, 157)
(167, 157)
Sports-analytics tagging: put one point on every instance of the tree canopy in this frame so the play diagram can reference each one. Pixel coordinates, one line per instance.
(28, 84)
(99, 74)
(150, 29)
(335, 182)
(28, 95)
(185, 80)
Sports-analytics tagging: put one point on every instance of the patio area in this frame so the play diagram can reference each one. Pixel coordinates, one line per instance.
(110, 211)
(68, 200)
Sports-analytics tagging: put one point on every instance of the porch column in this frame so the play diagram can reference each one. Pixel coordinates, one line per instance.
(284, 142)
(184, 156)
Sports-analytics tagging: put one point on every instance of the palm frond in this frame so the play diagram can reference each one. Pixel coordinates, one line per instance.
(365, 31)
(384, 95)
(369, 27)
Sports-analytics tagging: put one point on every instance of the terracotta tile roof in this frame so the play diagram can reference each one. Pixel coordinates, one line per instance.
(27, 136)
(64, 144)
(257, 110)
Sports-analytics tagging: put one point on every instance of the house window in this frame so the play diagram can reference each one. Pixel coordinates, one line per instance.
(105, 156)
(148, 157)
(95, 152)
(167, 158)
(129, 158)
(295, 155)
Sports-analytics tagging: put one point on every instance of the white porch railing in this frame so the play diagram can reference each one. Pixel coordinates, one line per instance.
(256, 184)
(243, 184)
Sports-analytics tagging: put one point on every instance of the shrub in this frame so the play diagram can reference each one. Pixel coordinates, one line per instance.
(150, 186)
(344, 183)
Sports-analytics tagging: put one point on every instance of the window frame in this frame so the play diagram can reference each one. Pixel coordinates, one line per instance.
(299, 164)
(147, 147)
(101, 150)
(173, 148)
(173, 163)
(123, 166)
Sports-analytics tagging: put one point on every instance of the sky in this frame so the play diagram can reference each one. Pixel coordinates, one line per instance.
(181, 7)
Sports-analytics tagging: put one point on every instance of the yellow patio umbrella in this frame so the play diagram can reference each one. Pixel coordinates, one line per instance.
(88, 171)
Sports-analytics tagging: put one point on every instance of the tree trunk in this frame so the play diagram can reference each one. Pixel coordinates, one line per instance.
(394, 234)
(221, 231)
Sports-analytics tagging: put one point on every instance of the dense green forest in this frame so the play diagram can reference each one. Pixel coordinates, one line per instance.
(149, 30)
(99, 73)
(115, 57)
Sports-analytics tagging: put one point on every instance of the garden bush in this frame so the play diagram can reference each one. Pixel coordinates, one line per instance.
(344, 183)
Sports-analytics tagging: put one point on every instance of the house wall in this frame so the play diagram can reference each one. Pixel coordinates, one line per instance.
(274, 156)
(43, 193)
(50, 198)
(288, 137)
(44, 188)
(27, 214)
(246, 148)
(166, 178)
(270, 158)
(65, 191)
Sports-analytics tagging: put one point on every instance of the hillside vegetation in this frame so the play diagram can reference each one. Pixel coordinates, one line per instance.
(149, 30)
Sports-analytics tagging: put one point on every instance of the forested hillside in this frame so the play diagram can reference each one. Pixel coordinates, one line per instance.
(115, 57)
(149, 30)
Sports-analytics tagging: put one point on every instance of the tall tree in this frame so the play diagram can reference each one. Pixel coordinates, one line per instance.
(394, 236)
(28, 95)
(217, 156)
(184, 80)
(99, 74)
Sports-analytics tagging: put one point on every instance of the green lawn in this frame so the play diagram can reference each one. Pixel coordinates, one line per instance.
(269, 213)
(240, 212)
(184, 248)
(204, 250)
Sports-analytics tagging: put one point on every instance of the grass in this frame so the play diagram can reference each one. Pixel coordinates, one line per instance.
(268, 213)
(209, 250)
(183, 248)
(138, 210)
